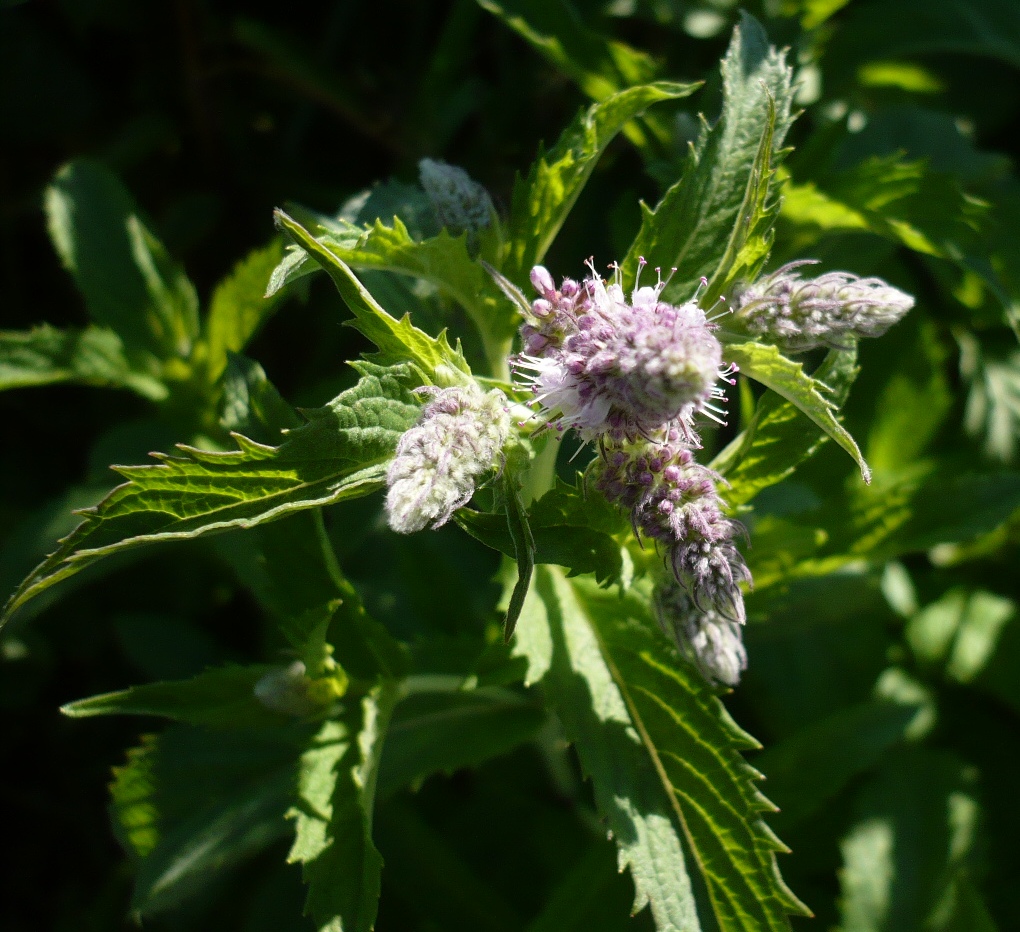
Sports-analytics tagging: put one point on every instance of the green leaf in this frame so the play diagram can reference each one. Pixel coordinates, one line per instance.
(663, 756)
(600, 67)
(708, 208)
(129, 282)
(240, 306)
(221, 697)
(443, 731)
(442, 260)
(189, 805)
(914, 835)
(767, 365)
(89, 356)
(779, 438)
(542, 201)
(812, 766)
(570, 527)
(398, 341)
(333, 816)
(341, 453)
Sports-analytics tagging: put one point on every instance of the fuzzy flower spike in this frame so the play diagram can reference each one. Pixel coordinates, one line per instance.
(799, 313)
(613, 368)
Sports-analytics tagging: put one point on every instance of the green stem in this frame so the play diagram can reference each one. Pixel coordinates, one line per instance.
(541, 477)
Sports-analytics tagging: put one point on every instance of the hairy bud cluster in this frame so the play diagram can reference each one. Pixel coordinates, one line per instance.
(461, 203)
(801, 314)
(713, 642)
(673, 500)
(438, 462)
(609, 367)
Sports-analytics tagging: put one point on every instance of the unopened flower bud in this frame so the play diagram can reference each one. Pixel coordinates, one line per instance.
(286, 690)
(712, 642)
(461, 203)
(800, 314)
(438, 462)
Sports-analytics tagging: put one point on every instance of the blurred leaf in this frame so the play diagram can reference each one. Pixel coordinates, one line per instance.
(333, 816)
(442, 731)
(812, 766)
(542, 201)
(220, 697)
(695, 220)
(398, 341)
(600, 66)
(190, 804)
(129, 282)
(240, 306)
(340, 453)
(993, 404)
(662, 754)
(915, 831)
(779, 438)
(89, 356)
(767, 365)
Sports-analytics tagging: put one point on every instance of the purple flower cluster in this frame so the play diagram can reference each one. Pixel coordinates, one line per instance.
(617, 369)
(630, 375)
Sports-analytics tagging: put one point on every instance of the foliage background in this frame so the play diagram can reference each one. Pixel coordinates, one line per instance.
(214, 113)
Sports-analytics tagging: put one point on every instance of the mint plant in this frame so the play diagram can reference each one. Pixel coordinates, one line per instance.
(604, 440)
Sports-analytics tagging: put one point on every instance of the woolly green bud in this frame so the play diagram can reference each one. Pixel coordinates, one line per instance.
(438, 462)
(711, 641)
(461, 204)
(800, 314)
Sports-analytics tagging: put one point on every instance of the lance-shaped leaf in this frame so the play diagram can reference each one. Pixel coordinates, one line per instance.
(696, 219)
(240, 306)
(442, 260)
(779, 438)
(542, 201)
(341, 453)
(129, 282)
(767, 365)
(663, 757)
(89, 356)
(333, 816)
(397, 340)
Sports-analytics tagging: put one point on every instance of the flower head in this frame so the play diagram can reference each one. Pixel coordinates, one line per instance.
(673, 500)
(606, 365)
(459, 438)
(712, 642)
(800, 314)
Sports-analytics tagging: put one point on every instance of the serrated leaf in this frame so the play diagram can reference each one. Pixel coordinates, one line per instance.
(779, 439)
(189, 805)
(129, 282)
(333, 816)
(221, 697)
(692, 225)
(767, 365)
(240, 306)
(662, 754)
(442, 260)
(341, 453)
(444, 731)
(88, 356)
(542, 201)
(398, 341)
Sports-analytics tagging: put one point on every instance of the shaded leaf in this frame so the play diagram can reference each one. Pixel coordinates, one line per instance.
(129, 282)
(89, 356)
